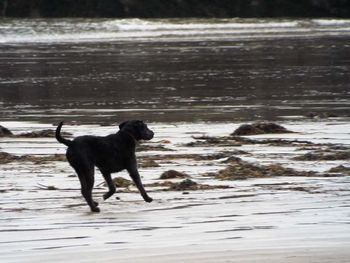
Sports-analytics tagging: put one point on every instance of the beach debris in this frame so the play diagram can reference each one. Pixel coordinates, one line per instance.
(340, 169)
(47, 187)
(236, 141)
(186, 184)
(48, 133)
(307, 189)
(232, 159)
(220, 155)
(210, 141)
(173, 174)
(240, 170)
(286, 186)
(49, 158)
(121, 182)
(164, 141)
(259, 128)
(7, 158)
(37, 134)
(323, 156)
(190, 185)
(4, 132)
(147, 163)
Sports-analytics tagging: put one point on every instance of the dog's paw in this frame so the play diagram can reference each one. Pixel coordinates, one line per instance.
(95, 209)
(108, 195)
(148, 199)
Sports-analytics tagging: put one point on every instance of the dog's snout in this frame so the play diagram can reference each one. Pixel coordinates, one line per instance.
(149, 134)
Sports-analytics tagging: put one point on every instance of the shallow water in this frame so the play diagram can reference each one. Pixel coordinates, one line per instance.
(173, 70)
(266, 213)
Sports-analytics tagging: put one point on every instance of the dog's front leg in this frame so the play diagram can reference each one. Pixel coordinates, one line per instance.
(110, 184)
(134, 174)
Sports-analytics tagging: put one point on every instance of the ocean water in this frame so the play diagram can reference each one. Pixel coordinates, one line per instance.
(105, 70)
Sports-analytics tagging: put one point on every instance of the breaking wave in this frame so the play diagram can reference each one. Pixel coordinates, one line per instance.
(95, 30)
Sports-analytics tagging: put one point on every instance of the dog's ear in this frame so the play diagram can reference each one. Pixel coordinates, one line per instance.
(122, 124)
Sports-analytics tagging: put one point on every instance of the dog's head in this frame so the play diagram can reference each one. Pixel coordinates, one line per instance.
(138, 129)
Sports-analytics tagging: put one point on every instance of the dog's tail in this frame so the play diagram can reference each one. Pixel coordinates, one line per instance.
(59, 138)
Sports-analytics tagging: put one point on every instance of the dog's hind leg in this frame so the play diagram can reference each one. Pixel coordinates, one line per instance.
(111, 186)
(85, 171)
(86, 179)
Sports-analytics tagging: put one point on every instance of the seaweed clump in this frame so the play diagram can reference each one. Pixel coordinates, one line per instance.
(121, 182)
(4, 132)
(8, 158)
(259, 128)
(48, 133)
(148, 163)
(239, 170)
(323, 156)
(185, 185)
(190, 185)
(340, 169)
(173, 174)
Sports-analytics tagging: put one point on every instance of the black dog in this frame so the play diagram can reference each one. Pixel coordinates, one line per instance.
(109, 154)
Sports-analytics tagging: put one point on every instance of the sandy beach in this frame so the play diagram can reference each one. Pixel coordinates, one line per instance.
(273, 219)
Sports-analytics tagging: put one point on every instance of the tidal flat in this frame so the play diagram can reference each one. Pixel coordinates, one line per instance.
(43, 215)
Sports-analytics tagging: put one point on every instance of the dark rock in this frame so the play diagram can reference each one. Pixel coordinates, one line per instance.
(259, 128)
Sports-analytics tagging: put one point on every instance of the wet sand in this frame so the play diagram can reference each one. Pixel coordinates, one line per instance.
(274, 219)
(204, 254)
